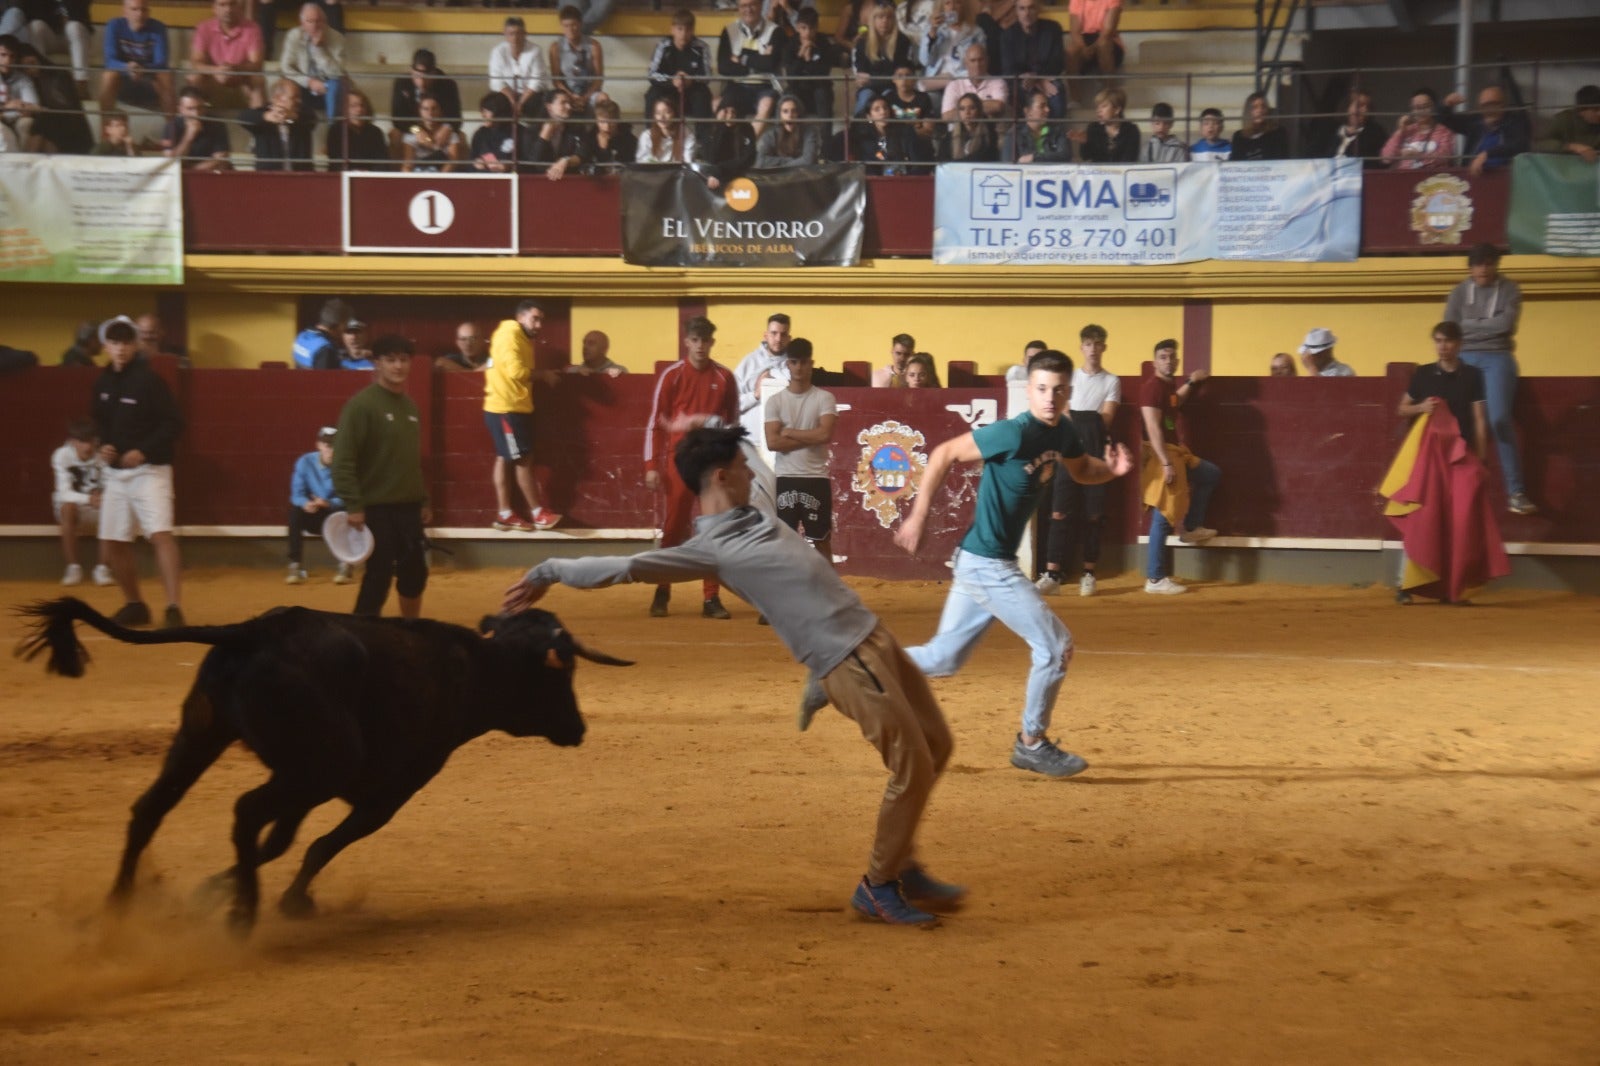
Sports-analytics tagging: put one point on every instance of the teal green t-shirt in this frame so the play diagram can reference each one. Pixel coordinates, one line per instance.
(1019, 461)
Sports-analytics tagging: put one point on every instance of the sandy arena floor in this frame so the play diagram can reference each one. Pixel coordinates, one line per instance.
(1318, 828)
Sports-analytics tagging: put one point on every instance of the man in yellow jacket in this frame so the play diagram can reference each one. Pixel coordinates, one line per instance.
(508, 412)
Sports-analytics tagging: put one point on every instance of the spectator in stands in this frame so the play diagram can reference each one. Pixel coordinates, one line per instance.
(767, 361)
(201, 142)
(431, 145)
(789, 142)
(1033, 52)
(137, 62)
(500, 142)
(667, 139)
(913, 108)
(748, 54)
(942, 51)
(921, 373)
(559, 146)
(893, 376)
(728, 148)
(312, 499)
(994, 18)
(266, 18)
(680, 68)
(1316, 352)
(425, 79)
(282, 130)
(355, 350)
(596, 357)
(79, 483)
(808, 67)
(313, 58)
(1360, 136)
(1282, 366)
(137, 423)
(878, 53)
(355, 142)
(317, 347)
(1176, 483)
(1078, 512)
(1212, 147)
(152, 339)
(992, 93)
(469, 353)
(1036, 139)
(1488, 306)
(689, 393)
(884, 146)
(1577, 129)
(57, 25)
(972, 138)
(608, 144)
(114, 137)
(60, 124)
(852, 22)
(578, 62)
(1260, 138)
(85, 346)
(1420, 142)
(1494, 135)
(226, 53)
(517, 68)
(1110, 138)
(508, 413)
(915, 18)
(1093, 44)
(1162, 146)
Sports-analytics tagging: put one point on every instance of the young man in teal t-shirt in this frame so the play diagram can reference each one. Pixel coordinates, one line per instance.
(1020, 457)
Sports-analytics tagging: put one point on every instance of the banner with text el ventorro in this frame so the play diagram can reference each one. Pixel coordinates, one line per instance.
(91, 220)
(1296, 211)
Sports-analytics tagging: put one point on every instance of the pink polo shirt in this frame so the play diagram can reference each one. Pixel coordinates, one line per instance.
(213, 45)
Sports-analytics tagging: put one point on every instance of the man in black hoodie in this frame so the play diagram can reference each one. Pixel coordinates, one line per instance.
(138, 424)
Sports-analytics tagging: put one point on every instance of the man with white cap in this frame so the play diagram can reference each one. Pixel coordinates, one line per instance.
(1317, 355)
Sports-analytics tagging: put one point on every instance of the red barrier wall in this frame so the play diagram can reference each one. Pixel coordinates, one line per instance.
(1398, 207)
(1300, 457)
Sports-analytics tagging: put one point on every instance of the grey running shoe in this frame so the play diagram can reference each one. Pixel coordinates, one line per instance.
(812, 700)
(1520, 504)
(919, 887)
(1046, 759)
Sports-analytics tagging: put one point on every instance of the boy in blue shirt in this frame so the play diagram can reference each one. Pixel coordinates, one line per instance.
(312, 499)
(1021, 456)
(1212, 147)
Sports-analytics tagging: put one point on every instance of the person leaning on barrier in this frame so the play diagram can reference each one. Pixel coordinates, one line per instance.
(681, 69)
(355, 142)
(1260, 137)
(425, 79)
(500, 142)
(558, 148)
(282, 130)
(808, 65)
(1360, 136)
(991, 92)
(914, 108)
(608, 144)
(1577, 129)
(1212, 147)
(789, 142)
(114, 137)
(728, 148)
(668, 139)
(432, 145)
(972, 139)
(1162, 146)
(1036, 139)
(1419, 142)
(201, 143)
(1111, 138)
(883, 145)
(1494, 134)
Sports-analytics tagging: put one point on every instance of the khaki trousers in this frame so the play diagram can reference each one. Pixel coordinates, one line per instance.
(882, 691)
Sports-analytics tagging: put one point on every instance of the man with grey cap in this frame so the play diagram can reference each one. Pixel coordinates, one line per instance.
(1317, 355)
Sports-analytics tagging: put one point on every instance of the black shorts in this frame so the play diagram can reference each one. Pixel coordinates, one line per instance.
(805, 505)
(1090, 38)
(512, 434)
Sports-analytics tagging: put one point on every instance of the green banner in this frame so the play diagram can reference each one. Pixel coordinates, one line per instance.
(91, 220)
(1555, 205)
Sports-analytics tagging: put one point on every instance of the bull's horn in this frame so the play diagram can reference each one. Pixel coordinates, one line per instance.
(598, 656)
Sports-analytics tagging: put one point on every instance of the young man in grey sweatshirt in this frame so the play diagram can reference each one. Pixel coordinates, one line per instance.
(1487, 306)
(862, 668)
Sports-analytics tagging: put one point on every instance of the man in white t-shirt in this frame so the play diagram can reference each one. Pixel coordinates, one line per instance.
(800, 424)
(517, 68)
(1078, 512)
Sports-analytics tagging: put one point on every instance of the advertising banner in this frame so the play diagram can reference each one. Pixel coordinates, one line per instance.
(1299, 211)
(1555, 205)
(1433, 210)
(443, 214)
(799, 216)
(91, 220)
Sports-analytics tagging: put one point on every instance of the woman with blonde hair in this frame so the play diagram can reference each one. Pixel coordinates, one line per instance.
(880, 49)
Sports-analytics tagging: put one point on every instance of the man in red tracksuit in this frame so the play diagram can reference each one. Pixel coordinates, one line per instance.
(688, 394)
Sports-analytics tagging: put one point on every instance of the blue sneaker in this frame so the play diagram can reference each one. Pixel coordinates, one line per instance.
(919, 887)
(884, 903)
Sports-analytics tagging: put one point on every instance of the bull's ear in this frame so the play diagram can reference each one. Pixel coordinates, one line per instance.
(488, 624)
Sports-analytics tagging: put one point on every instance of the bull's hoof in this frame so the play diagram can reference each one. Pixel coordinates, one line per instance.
(297, 905)
(241, 920)
(213, 892)
(119, 898)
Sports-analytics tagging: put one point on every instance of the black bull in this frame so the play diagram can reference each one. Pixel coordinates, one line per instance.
(337, 707)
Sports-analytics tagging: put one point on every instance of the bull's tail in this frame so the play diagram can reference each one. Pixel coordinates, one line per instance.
(53, 630)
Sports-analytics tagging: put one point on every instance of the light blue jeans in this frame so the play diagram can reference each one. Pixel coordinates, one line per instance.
(985, 590)
(1500, 389)
(1202, 483)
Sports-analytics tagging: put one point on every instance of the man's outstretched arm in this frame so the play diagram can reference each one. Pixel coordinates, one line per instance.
(962, 449)
(1087, 470)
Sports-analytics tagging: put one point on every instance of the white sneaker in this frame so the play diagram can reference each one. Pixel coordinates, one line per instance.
(1086, 584)
(102, 576)
(1165, 587)
(73, 576)
(297, 576)
(343, 575)
(1198, 535)
(1048, 584)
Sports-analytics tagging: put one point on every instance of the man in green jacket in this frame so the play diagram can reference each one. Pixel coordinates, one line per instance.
(377, 471)
(1577, 129)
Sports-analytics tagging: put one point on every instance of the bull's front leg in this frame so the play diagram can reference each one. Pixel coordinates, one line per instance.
(251, 814)
(364, 819)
